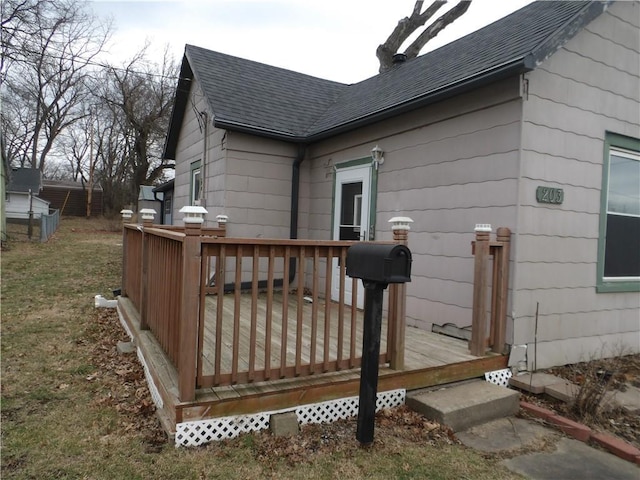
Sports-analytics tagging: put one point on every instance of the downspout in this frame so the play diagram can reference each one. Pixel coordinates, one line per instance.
(203, 167)
(293, 232)
(295, 202)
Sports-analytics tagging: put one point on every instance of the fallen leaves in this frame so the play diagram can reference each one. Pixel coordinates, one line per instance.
(122, 384)
(393, 429)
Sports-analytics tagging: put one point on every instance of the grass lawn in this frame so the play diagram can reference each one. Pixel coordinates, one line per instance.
(72, 407)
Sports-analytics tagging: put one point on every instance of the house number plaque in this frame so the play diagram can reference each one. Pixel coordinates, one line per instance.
(549, 195)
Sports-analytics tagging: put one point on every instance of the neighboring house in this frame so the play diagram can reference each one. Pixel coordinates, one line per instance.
(165, 192)
(531, 123)
(71, 197)
(23, 192)
(147, 198)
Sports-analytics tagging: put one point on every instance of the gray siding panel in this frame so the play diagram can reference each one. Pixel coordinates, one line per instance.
(590, 86)
(258, 186)
(448, 167)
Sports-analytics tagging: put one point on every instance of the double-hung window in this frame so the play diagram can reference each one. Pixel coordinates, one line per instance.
(196, 183)
(619, 243)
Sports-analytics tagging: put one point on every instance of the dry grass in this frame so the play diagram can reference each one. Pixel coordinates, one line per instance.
(72, 408)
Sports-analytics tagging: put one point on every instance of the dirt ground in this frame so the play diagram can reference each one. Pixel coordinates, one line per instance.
(616, 374)
(126, 391)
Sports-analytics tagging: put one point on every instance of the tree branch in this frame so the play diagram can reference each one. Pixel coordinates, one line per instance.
(403, 30)
(436, 27)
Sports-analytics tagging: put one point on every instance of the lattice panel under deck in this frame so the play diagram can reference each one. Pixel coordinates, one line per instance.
(191, 434)
(499, 377)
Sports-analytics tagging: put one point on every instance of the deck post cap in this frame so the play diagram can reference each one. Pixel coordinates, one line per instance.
(148, 213)
(193, 214)
(401, 223)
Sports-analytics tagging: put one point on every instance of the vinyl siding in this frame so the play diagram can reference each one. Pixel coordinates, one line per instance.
(190, 149)
(258, 186)
(448, 167)
(590, 86)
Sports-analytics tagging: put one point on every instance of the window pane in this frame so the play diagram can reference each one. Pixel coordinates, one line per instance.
(349, 214)
(622, 246)
(624, 185)
(196, 187)
(349, 191)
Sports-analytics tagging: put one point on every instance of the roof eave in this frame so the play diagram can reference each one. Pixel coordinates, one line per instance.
(521, 65)
(177, 113)
(568, 30)
(259, 131)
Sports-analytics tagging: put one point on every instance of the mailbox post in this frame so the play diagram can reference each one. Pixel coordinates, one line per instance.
(377, 266)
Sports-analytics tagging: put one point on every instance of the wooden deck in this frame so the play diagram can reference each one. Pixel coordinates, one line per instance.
(422, 349)
(430, 359)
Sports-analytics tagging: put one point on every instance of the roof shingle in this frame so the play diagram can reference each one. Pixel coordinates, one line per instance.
(275, 102)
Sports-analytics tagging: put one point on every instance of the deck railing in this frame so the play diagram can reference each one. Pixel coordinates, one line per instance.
(194, 289)
(493, 337)
(302, 332)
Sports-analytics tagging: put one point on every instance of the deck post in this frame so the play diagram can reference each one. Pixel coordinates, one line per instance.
(222, 222)
(477, 345)
(501, 289)
(189, 302)
(126, 218)
(147, 215)
(398, 298)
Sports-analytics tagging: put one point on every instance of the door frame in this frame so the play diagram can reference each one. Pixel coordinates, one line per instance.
(373, 194)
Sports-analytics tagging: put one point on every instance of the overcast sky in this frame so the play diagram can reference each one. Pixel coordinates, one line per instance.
(331, 39)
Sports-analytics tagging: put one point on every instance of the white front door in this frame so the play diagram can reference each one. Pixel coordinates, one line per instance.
(351, 219)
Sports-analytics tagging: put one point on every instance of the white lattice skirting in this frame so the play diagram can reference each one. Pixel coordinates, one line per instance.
(499, 377)
(192, 434)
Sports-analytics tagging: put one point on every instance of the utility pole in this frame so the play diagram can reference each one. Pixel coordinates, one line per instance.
(91, 164)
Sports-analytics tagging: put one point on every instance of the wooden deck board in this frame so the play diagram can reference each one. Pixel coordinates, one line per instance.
(421, 351)
(430, 359)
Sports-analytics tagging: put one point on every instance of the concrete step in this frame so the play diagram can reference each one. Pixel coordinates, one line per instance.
(465, 405)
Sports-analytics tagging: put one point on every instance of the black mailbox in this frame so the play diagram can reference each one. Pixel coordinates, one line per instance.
(379, 263)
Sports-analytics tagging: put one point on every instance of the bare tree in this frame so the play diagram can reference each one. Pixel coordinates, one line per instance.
(16, 26)
(409, 25)
(140, 96)
(50, 64)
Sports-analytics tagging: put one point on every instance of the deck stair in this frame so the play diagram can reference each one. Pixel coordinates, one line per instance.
(464, 405)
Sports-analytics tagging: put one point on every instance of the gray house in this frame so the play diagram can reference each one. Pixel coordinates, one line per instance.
(531, 123)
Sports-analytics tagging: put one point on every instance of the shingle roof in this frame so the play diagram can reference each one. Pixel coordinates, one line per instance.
(249, 93)
(265, 100)
(25, 179)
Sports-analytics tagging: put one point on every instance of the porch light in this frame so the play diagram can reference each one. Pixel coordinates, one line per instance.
(483, 227)
(126, 214)
(148, 214)
(222, 219)
(377, 155)
(193, 214)
(400, 223)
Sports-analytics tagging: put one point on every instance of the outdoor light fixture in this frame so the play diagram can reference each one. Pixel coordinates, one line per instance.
(193, 214)
(401, 223)
(377, 154)
(126, 214)
(483, 227)
(148, 214)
